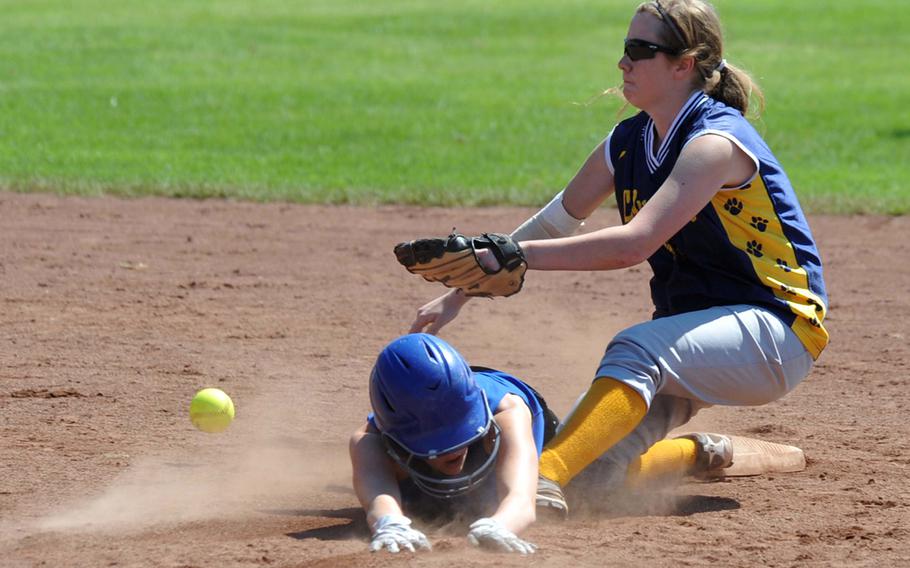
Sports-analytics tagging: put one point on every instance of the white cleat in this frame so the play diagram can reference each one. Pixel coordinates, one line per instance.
(551, 501)
(714, 452)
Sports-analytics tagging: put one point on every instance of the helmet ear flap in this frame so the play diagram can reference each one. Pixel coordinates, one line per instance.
(383, 410)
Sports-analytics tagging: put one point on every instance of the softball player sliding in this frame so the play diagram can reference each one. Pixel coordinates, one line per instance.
(737, 281)
(447, 439)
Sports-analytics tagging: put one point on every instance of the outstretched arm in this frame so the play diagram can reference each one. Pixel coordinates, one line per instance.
(706, 165)
(516, 470)
(373, 475)
(516, 476)
(376, 486)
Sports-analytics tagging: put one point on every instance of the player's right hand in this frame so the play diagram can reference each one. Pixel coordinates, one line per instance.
(394, 533)
(432, 316)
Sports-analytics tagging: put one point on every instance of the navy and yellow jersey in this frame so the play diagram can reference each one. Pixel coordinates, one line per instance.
(496, 385)
(750, 245)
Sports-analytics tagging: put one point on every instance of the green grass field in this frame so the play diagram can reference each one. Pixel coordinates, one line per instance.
(416, 101)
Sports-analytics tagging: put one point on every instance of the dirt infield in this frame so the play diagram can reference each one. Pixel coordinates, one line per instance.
(114, 312)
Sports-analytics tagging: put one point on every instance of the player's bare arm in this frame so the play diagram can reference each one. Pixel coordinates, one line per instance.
(705, 166)
(516, 471)
(374, 475)
(591, 185)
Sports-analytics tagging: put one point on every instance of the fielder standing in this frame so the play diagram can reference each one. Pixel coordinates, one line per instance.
(739, 299)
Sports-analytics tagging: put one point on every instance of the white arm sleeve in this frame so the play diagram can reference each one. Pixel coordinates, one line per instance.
(551, 222)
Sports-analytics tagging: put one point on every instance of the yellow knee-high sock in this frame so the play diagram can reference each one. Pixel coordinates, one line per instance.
(664, 462)
(607, 413)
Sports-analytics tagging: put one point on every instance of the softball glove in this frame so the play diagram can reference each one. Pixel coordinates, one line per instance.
(453, 262)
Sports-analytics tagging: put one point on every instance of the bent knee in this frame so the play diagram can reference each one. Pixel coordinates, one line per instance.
(629, 361)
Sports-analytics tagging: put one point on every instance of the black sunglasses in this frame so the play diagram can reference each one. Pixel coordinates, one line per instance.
(638, 49)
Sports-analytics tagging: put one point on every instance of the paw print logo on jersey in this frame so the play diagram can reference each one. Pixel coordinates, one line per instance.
(734, 206)
(782, 264)
(787, 290)
(759, 223)
(754, 248)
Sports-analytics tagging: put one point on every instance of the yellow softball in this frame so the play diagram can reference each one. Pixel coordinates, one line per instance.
(212, 410)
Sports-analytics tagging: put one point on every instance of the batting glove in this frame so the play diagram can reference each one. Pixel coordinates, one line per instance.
(489, 533)
(394, 533)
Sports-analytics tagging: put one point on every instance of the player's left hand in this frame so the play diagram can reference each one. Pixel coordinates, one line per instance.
(489, 533)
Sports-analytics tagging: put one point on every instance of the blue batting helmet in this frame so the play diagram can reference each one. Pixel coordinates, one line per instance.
(426, 403)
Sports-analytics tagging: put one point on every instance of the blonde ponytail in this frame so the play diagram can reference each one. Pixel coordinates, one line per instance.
(735, 88)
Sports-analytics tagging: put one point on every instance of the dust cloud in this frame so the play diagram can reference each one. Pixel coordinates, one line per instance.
(259, 462)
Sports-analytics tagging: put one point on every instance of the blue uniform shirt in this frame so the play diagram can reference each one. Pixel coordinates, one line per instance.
(497, 384)
(750, 245)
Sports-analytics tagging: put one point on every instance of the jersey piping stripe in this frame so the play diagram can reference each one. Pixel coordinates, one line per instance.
(655, 160)
(739, 145)
(607, 157)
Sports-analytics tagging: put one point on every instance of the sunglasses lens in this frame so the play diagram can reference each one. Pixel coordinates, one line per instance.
(636, 52)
